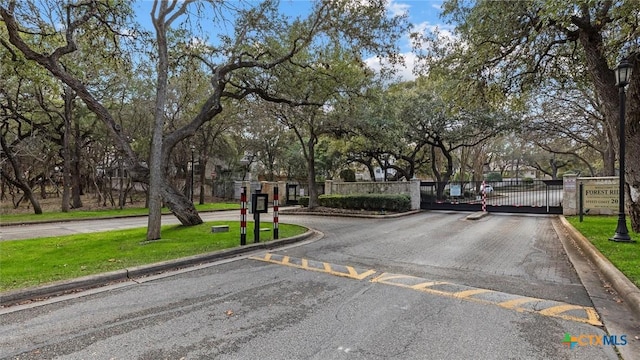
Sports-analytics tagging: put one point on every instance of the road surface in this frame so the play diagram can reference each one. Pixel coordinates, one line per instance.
(428, 286)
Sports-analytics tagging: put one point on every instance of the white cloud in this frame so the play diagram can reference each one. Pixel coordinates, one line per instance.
(403, 72)
(398, 9)
(445, 31)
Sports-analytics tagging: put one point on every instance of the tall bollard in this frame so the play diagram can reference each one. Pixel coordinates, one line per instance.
(275, 212)
(484, 196)
(243, 216)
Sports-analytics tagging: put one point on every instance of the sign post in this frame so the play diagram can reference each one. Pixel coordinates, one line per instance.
(259, 205)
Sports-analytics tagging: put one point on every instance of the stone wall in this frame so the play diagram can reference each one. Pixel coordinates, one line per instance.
(411, 188)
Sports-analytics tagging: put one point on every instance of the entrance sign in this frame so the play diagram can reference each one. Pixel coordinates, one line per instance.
(601, 196)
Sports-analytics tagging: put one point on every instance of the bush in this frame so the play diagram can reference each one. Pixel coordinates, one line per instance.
(372, 202)
(348, 175)
(304, 201)
(493, 176)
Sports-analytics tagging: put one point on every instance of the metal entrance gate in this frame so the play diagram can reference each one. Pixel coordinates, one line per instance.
(516, 196)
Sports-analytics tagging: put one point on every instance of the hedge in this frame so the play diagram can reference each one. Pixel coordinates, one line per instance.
(373, 202)
(303, 200)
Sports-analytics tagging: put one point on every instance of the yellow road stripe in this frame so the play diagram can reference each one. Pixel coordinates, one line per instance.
(512, 304)
(326, 267)
(591, 316)
(426, 285)
(557, 310)
(364, 274)
(352, 271)
(468, 293)
(386, 277)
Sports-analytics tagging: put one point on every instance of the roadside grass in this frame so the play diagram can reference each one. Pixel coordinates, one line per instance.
(624, 256)
(32, 262)
(101, 214)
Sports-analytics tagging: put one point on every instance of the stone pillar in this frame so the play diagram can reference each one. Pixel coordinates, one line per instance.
(415, 194)
(570, 195)
(282, 190)
(328, 187)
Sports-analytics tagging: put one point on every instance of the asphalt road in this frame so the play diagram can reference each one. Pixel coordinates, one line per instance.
(427, 286)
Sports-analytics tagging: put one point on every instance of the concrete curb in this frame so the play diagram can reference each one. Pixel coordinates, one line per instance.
(477, 215)
(627, 290)
(93, 281)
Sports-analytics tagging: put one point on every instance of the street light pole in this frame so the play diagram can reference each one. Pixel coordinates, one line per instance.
(622, 79)
(193, 150)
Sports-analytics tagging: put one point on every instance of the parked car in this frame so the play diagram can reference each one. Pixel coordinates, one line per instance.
(488, 189)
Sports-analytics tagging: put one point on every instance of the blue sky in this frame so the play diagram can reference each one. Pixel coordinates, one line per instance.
(423, 14)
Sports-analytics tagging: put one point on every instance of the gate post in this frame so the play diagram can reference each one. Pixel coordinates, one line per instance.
(414, 193)
(569, 194)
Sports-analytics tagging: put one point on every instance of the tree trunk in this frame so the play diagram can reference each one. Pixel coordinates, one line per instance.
(66, 149)
(19, 180)
(43, 186)
(76, 184)
(632, 166)
(121, 188)
(604, 80)
(609, 155)
(179, 205)
(202, 177)
(155, 153)
(311, 171)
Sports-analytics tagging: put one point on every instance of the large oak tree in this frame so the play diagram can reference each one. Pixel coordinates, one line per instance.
(246, 60)
(532, 43)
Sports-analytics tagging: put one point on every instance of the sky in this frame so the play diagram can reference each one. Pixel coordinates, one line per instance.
(423, 14)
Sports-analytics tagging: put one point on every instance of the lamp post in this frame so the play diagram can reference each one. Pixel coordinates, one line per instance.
(193, 150)
(623, 71)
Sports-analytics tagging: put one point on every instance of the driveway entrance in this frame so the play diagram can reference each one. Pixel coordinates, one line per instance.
(517, 196)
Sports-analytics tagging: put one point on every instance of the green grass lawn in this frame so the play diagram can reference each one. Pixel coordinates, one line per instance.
(624, 256)
(98, 214)
(26, 263)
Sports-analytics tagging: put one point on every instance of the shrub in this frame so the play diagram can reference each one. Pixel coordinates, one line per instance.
(303, 200)
(348, 175)
(371, 202)
(493, 176)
